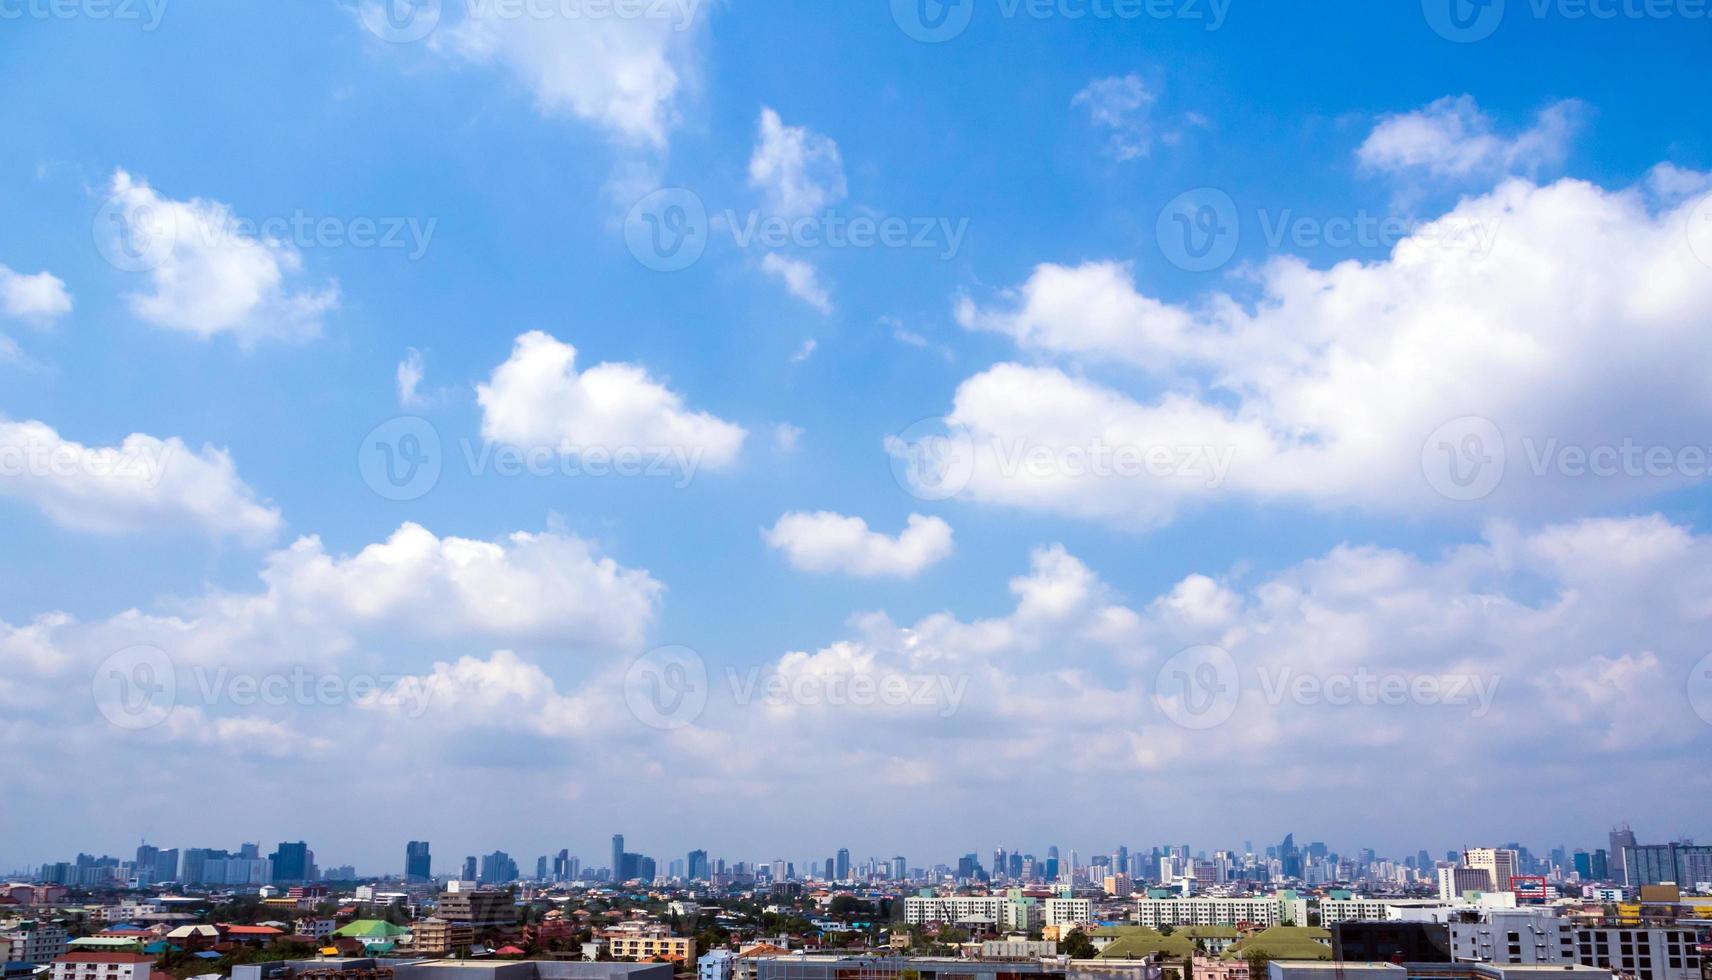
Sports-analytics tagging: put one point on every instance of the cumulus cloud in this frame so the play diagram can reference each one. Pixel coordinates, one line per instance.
(409, 377)
(41, 296)
(827, 542)
(208, 276)
(1123, 105)
(142, 484)
(539, 398)
(1366, 384)
(800, 279)
(623, 74)
(1452, 138)
(798, 170)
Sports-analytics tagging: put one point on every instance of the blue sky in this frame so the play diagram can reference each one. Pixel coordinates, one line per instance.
(519, 145)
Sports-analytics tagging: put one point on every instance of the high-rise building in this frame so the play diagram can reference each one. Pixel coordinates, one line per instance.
(1682, 863)
(1622, 838)
(1499, 863)
(841, 870)
(618, 857)
(418, 864)
(498, 869)
(292, 862)
(469, 869)
(899, 870)
(698, 866)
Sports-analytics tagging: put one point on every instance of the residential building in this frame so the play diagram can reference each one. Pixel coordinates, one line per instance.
(641, 947)
(1214, 911)
(1649, 953)
(1499, 863)
(1068, 911)
(435, 936)
(1456, 881)
(481, 909)
(33, 941)
(1511, 938)
(714, 964)
(102, 966)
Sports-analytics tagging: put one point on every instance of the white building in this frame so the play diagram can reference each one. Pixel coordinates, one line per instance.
(1350, 909)
(1069, 911)
(102, 966)
(998, 912)
(32, 942)
(715, 965)
(1209, 911)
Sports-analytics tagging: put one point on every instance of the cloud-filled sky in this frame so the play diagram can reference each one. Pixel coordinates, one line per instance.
(908, 427)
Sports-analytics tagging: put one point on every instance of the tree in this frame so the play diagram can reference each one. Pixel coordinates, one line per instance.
(1167, 929)
(1078, 946)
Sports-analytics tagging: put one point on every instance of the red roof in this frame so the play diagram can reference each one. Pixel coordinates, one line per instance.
(251, 930)
(104, 958)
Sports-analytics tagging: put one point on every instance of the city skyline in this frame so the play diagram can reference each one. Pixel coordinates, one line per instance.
(886, 424)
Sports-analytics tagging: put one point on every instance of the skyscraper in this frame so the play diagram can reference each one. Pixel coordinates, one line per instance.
(291, 862)
(469, 869)
(697, 866)
(1622, 838)
(841, 871)
(418, 865)
(617, 857)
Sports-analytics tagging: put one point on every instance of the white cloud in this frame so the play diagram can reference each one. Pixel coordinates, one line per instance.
(1326, 386)
(538, 398)
(801, 279)
(1123, 105)
(624, 74)
(827, 542)
(409, 377)
(41, 296)
(142, 484)
(787, 437)
(804, 352)
(209, 277)
(1453, 138)
(798, 170)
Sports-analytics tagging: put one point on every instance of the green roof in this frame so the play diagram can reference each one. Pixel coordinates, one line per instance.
(370, 929)
(1285, 943)
(106, 942)
(1135, 942)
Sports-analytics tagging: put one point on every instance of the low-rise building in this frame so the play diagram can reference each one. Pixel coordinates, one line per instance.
(102, 966)
(32, 941)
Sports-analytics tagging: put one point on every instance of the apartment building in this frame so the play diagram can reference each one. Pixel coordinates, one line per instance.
(1335, 910)
(1499, 863)
(643, 948)
(991, 911)
(1270, 910)
(480, 909)
(1645, 953)
(1515, 938)
(1068, 911)
(102, 966)
(32, 942)
(435, 936)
